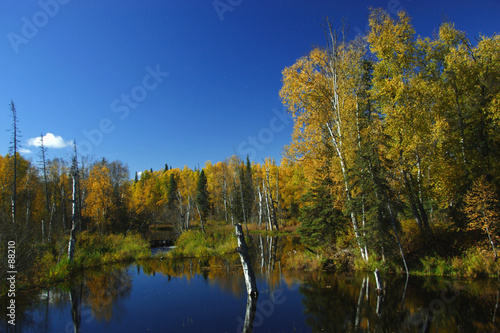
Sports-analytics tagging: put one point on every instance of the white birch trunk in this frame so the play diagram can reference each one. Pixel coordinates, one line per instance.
(224, 195)
(245, 262)
(269, 224)
(354, 220)
(260, 204)
(491, 242)
(188, 213)
(398, 241)
(72, 238)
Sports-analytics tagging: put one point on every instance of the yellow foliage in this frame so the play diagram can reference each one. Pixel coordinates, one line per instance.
(481, 206)
(99, 202)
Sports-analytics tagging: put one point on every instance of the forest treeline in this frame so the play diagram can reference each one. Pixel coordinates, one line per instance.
(107, 201)
(395, 136)
(398, 129)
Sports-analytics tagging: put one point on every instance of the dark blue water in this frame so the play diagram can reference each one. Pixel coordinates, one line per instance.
(162, 303)
(209, 295)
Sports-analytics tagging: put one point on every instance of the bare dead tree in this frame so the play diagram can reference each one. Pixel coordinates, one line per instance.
(43, 152)
(74, 176)
(14, 145)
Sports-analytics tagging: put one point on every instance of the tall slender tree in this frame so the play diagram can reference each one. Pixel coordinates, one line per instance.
(43, 153)
(14, 145)
(322, 92)
(74, 203)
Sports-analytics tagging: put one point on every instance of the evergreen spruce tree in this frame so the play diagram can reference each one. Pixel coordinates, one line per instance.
(202, 203)
(320, 222)
(248, 191)
(172, 192)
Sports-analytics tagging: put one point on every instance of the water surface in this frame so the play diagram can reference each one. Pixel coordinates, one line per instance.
(186, 296)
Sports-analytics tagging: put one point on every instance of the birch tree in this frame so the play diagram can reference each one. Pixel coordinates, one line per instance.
(320, 92)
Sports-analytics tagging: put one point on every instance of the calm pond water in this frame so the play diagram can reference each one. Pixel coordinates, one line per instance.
(183, 296)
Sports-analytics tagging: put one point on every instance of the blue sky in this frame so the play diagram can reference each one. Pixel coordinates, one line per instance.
(178, 82)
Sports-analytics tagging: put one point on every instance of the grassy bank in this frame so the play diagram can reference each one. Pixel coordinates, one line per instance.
(92, 250)
(444, 252)
(217, 241)
(476, 262)
(473, 263)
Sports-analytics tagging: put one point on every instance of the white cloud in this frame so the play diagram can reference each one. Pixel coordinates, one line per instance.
(24, 151)
(50, 141)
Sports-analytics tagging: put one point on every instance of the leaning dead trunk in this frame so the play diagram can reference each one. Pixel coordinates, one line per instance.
(242, 249)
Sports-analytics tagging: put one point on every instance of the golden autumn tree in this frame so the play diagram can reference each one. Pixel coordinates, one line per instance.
(99, 202)
(293, 186)
(401, 91)
(467, 96)
(451, 161)
(482, 210)
(217, 189)
(323, 91)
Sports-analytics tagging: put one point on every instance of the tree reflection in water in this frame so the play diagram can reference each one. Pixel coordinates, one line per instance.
(319, 301)
(350, 303)
(104, 289)
(75, 296)
(250, 312)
